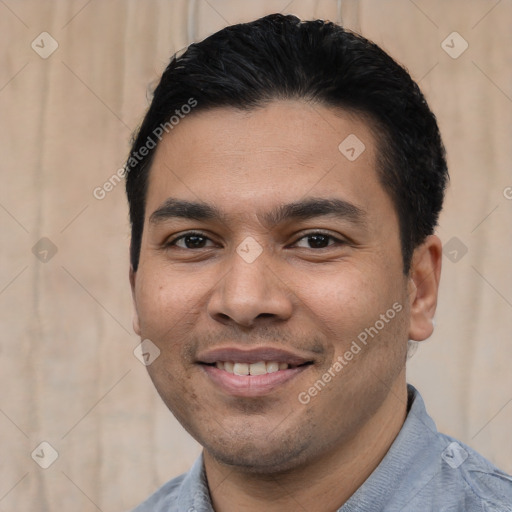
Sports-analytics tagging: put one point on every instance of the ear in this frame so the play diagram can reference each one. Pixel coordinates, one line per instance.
(135, 321)
(424, 278)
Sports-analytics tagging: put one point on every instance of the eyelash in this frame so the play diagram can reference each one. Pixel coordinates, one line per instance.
(172, 243)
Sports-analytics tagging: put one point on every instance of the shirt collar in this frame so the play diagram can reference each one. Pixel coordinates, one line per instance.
(194, 494)
(408, 465)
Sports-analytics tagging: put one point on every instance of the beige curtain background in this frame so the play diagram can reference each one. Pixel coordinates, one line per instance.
(69, 377)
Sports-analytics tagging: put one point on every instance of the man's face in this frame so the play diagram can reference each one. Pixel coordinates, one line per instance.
(295, 254)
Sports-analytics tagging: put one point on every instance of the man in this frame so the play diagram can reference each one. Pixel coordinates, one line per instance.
(284, 188)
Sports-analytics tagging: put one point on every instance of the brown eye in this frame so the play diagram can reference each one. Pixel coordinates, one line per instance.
(317, 241)
(190, 241)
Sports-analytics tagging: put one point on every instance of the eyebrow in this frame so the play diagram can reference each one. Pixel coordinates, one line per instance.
(177, 208)
(316, 207)
(300, 210)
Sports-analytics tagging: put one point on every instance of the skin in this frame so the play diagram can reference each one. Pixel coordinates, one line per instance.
(272, 452)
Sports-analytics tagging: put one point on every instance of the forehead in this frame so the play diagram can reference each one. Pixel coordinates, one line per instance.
(246, 161)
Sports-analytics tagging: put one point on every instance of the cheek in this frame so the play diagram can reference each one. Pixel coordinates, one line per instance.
(345, 297)
(163, 302)
(347, 304)
(156, 304)
(170, 306)
(166, 313)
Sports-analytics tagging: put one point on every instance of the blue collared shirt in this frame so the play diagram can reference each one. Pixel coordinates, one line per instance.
(423, 471)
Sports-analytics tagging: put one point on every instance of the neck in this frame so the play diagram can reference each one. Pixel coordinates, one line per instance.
(323, 484)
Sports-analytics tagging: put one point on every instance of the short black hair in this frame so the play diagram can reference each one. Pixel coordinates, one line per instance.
(248, 65)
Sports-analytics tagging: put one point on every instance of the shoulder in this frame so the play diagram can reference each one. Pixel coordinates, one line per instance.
(185, 493)
(477, 482)
(164, 498)
(429, 470)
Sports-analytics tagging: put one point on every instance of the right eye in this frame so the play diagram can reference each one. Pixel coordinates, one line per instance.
(190, 240)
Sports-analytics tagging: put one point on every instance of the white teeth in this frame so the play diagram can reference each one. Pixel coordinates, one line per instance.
(259, 368)
(273, 367)
(241, 369)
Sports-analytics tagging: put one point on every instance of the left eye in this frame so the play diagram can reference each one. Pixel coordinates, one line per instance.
(316, 241)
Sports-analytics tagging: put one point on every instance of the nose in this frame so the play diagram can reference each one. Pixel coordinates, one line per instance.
(249, 293)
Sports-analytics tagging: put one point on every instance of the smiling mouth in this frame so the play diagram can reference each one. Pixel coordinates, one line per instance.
(252, 372)
(258, 368)
(250, 380)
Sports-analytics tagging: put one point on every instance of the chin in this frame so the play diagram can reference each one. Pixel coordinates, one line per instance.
(266, 455)
(273, 464)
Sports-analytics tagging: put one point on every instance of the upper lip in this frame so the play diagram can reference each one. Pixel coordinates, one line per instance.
(253, 355)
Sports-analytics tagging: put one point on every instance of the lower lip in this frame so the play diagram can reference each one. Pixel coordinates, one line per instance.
(250, 385)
